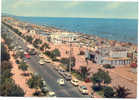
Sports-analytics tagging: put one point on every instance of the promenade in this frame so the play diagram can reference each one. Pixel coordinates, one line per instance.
(121, 75)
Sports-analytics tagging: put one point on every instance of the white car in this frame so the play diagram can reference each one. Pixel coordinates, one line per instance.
(21, 50)
(75, 82)
(83, 89)
(47, 60)
(61, 81)
(41, 62)
(41, 55)
(51, 94)
(19, 47)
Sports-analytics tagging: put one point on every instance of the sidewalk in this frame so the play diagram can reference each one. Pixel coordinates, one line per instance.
(88, 85)
(19, 78)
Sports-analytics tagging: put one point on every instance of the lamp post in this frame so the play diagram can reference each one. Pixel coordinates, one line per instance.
(70, 54)
(70, 50)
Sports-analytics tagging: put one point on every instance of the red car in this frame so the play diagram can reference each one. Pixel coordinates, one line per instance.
(87, 80)
(27, 55)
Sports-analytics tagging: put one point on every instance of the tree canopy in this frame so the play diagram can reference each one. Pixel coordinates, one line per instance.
(101, 76)
(84, 72)
(108, 92)
(34, 81)
(56, 52)
(23, 66)
(121, 92)
(4, 53)
(29, 39)
(66, 62)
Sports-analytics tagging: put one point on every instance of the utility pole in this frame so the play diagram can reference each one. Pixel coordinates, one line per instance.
(70, 57)
(70, 54)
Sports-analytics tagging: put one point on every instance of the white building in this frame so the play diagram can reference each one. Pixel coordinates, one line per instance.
(113, 56)
(63, 37)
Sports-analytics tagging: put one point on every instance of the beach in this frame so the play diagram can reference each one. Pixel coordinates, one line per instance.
(120, 75)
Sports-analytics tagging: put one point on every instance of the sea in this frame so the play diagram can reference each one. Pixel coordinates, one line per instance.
(124, 30)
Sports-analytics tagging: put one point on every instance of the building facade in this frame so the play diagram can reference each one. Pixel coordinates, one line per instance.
(62, 37)
(112, 56)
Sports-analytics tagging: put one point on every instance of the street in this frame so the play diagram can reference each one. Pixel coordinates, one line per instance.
(47, 72)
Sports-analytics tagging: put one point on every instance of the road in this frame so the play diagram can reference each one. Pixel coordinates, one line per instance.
(47, 72)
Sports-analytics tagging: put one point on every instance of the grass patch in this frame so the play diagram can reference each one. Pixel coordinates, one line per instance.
(101, 93)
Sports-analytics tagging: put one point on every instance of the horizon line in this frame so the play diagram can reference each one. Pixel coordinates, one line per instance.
(68, 17)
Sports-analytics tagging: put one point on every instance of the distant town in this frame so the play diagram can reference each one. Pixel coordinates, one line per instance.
(50, 62)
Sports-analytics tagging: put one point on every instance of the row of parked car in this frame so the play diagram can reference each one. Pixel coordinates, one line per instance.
(45, 89)
(44, 60)
(67, 76)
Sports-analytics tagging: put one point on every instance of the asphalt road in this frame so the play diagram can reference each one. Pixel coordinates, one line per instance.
(48, 73)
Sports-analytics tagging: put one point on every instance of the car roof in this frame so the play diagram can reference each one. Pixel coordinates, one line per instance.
(83, 86)
(60, 79)
(51, 93)
(75, 80)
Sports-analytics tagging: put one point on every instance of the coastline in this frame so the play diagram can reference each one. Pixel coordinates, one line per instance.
(94, 67)
(129, 40)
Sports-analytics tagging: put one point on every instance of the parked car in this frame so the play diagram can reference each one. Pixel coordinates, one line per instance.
(61, 81)
(61, 71)
(83, 89)
(32, 52)
(21, 50)
(47, 60)
(41, 55)
(87, 80)
(26, 55)
(43, 83)
(19, 47)
(75, 82)
(67, 76)
(51, 94)
(44, 89)
(41, 62)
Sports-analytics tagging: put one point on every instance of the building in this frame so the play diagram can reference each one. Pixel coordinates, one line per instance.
(113, 56)
(63, 37)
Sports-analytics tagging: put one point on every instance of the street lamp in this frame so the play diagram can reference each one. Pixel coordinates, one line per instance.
(70, 55)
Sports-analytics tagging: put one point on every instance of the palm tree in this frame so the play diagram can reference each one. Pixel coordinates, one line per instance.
(23, 66)
(83, 72)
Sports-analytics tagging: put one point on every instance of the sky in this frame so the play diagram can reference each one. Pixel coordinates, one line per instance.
(88, 9)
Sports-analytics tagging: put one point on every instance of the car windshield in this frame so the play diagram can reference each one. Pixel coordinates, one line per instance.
(52, 95)
(75, 80)
(42, 60)
(83, 87)
(61, 80)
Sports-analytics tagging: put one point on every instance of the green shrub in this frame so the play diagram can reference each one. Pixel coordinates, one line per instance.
(37, 93)
(4, 53)
(47, 53)
(29, 39)
(101, 77)
(108, 92)
(17, 91)
(108, 66)
(96, 88)
(34, 82)
(56, 53)
(66, 62)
